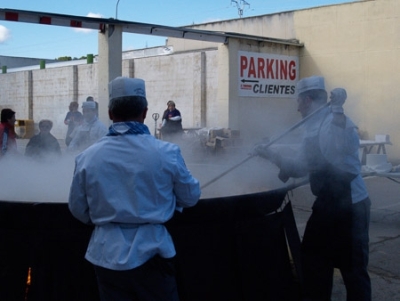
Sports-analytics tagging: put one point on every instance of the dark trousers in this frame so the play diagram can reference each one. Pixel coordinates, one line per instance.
(152, 281)
(318, 265)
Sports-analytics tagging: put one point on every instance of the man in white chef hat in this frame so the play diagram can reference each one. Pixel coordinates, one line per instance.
(336, 235)
(91, 130)
(128, 185)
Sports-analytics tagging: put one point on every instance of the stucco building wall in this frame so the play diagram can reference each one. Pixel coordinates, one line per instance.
(279, 26)
(353, 45)
(357, 46)
(15, 62)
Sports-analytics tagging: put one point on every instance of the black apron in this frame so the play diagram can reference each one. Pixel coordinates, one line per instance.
(329, 227)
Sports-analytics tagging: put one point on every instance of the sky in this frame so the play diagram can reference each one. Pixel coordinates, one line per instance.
(50, 42)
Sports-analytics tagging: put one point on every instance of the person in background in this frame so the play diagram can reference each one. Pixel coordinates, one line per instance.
(119, 187)
(8, 143)
(91, 130)
(73, 119)
(171, 126)
(90, 98)
(337, 232)
(43, 146)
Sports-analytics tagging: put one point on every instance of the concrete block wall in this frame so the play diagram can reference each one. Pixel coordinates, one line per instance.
(87, 82)
(53, 90)
(14, 93)
(178, 78)
(46, 93)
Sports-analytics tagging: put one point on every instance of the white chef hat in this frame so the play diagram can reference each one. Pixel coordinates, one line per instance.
(88, 105)
(125, 86)
(310, 83)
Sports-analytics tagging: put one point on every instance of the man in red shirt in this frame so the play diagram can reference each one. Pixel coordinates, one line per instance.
(8, 144)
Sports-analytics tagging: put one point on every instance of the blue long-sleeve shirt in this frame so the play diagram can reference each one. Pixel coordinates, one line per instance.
(338, 146)
(128, 186)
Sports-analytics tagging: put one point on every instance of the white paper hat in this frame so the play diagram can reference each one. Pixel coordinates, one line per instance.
(310, 83)
(88, 105)
(125, 86)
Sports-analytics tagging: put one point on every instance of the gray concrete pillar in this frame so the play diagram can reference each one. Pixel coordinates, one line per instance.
(199, 90)
(109, 65)
(203, 110)
(29, 81)
(75, 83)
(227, 95)
(233, 98)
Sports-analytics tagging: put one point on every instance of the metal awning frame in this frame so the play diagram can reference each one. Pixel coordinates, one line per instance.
(131, 27)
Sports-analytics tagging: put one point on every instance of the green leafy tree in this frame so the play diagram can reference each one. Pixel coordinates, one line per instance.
(64, 58)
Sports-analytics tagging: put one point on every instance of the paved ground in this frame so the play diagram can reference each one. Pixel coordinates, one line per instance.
(384, 266)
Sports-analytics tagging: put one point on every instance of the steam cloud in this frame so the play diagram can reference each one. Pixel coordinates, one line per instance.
(26, 180)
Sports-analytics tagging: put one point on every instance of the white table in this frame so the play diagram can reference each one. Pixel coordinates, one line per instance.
(367, 146)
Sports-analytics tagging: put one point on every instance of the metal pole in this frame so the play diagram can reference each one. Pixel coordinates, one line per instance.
(116, 10)
(305, 119)
(155, 117)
